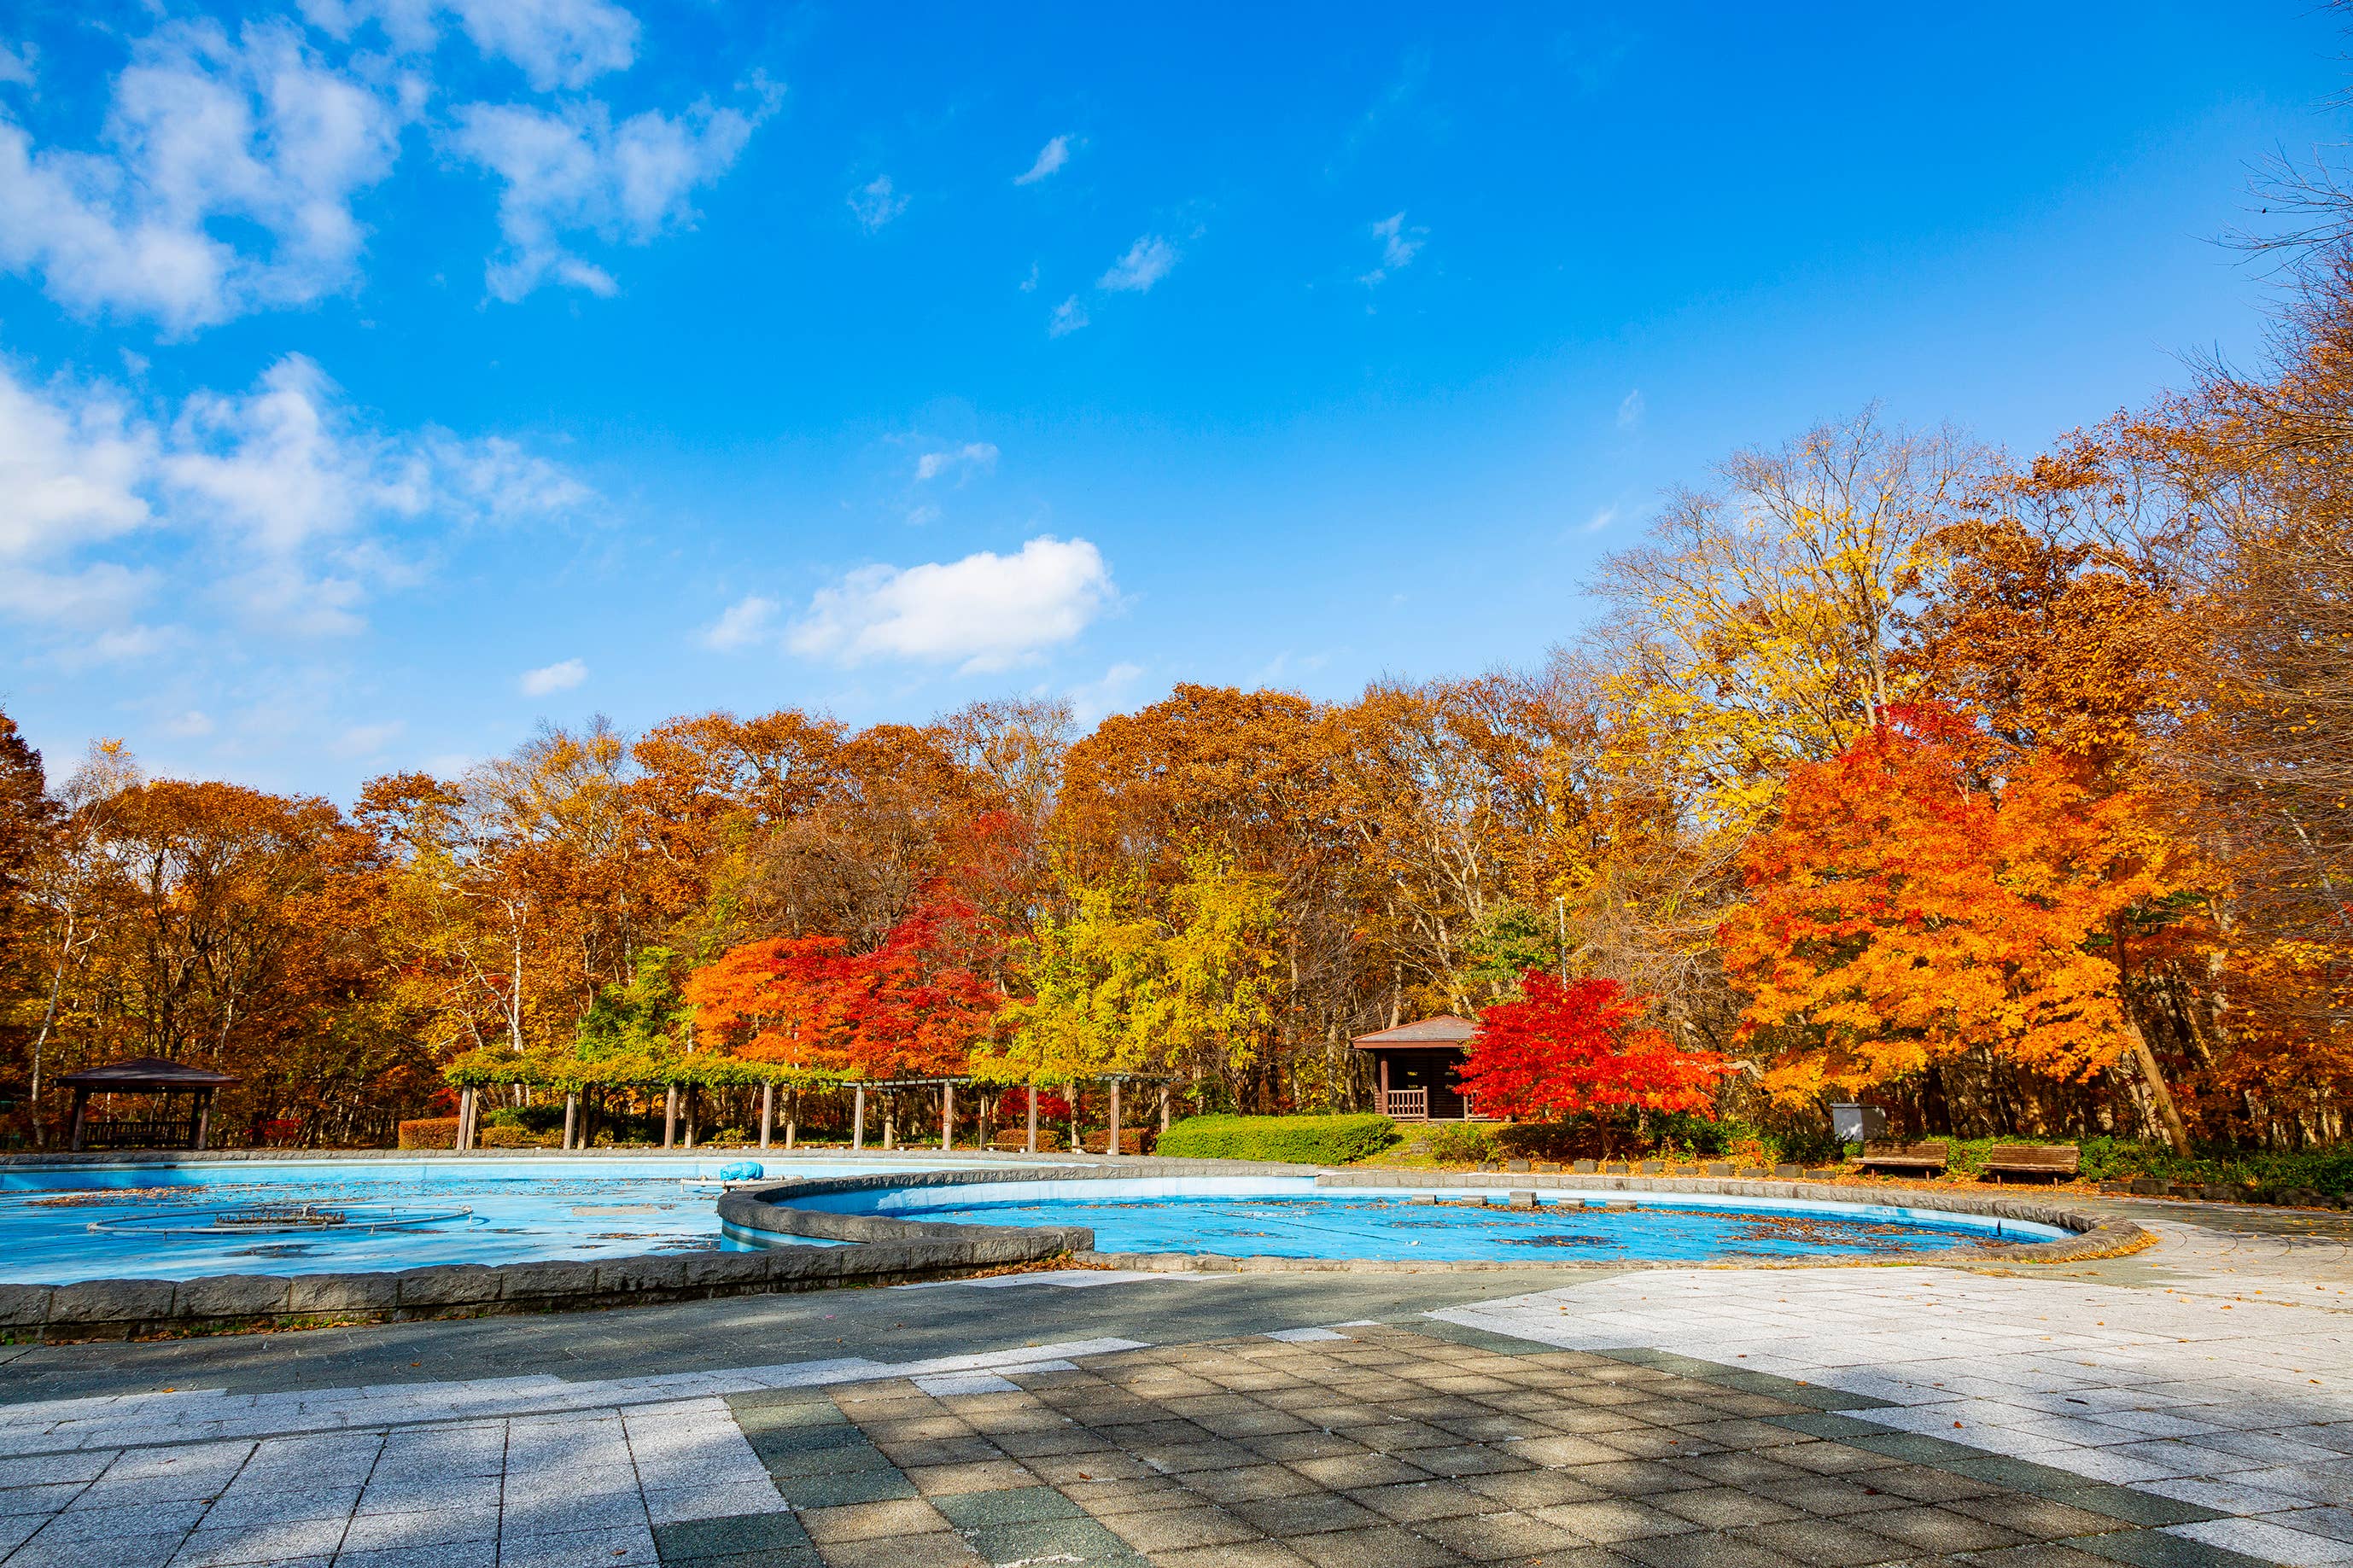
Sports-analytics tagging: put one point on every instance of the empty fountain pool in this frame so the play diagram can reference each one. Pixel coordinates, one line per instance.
(1291, 1217)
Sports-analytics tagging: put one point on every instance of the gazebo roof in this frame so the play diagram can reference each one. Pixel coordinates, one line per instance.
(134, 1073)
(1446, 1029)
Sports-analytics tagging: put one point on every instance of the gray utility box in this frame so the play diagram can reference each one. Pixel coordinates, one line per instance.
(1857, 1123)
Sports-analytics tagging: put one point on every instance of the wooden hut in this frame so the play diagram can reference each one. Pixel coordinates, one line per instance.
(144, 1075)
(1417, 1065)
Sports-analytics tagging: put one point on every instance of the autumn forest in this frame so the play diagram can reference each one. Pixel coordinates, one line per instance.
(2013, 793)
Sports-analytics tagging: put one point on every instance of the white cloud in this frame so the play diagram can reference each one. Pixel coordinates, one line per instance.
(553, 677)
(16, 65)
(278, 504)
(189, 725)
(1600, 520)
(1399, 245)
(1630, 410)
(985, 612)
(875, 203)
(1051, 157)
(1029, 284)
(1147, 261)
(225, 182)
(923, 515)
(367, 740)
(572, 170)
(973, 457)
(748, 621)
(1093, 701)
(1068, 317)
(558, 43)
(70, 465)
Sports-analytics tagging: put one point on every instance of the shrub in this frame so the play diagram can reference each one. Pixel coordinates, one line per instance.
(1460, 1143)
(1303, 1140)
(429, 1132)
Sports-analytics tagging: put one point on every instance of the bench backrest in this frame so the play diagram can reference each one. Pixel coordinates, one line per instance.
(1933, 1151)
(2035, 1156)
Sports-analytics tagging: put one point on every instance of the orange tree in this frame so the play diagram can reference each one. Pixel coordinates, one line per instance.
(1559, 1049)
(1904, 909)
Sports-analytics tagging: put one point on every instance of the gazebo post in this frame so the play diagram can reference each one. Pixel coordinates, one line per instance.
(204, 1117)
(571, 1116)
(1032, 1146)
(767, 1108)
(791, 1118)
(947, 1117)
(80, 1105)
(669, 1115)
(890, 1121)
(689, 1097)
(1110, 1144)
(858, 1120)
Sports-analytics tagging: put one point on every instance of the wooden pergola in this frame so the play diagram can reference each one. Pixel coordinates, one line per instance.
(144, 1075)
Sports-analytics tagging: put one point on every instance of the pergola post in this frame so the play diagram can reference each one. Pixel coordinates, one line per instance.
(767, 1110)
(858, 1120)
(988, 1104)
(1164, 1105)
(947, 1117)
(1110, 1144)
(571, 1116)
(80, 1106)
(890, 1119)
(689, 1097)
(204, 1117)
(792, 1120)
(1032, 1146)
(669, 1115)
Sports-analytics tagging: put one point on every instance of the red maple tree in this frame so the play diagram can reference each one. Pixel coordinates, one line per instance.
(1560, 1049)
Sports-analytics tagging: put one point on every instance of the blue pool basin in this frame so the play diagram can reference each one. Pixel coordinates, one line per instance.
(1244, 1216)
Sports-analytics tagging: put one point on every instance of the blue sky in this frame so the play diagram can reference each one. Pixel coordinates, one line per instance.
(378, 377)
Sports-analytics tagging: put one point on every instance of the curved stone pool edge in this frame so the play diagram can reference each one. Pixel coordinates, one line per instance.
(751, 1218)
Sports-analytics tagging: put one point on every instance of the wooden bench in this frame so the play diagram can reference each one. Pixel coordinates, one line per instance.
(2057, 1161)
(1932, 1155)
(1131, 1141)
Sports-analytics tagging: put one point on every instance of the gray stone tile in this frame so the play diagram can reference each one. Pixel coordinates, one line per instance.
(119, 1551)
(388, 1532)
(620, 1548)
(726, 1537)
(1022, 1505)
(1082, 1540)
(110, 1523)
(478, 1553)
(260, 1544)
(841, 1490)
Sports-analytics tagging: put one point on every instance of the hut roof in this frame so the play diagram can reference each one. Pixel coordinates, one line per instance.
(134, 1073)
(1446, 1029)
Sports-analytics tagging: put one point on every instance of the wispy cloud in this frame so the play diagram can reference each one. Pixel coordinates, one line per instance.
(973, 457)
(557, 43)
(1068, 317)
(876, 203)
(1399, 245)
(1630, 408)
(572, 170)
(1051, 159)
(550, 679)
(985, 612)
(748, 621)
(1600, 520)
(1147, 261)
(1093, 701)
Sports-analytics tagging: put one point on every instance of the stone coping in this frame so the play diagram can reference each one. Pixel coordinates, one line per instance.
(769, 1212)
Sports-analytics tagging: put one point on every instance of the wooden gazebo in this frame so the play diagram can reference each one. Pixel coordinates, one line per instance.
(144, 1075)
(1416, 1066)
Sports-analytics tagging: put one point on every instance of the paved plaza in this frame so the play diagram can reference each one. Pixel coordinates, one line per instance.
(2190, 1404)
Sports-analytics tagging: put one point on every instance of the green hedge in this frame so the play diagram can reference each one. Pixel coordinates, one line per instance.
(1305, 1139)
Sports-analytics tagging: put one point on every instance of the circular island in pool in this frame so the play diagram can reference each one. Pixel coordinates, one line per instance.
(1311, 1221)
